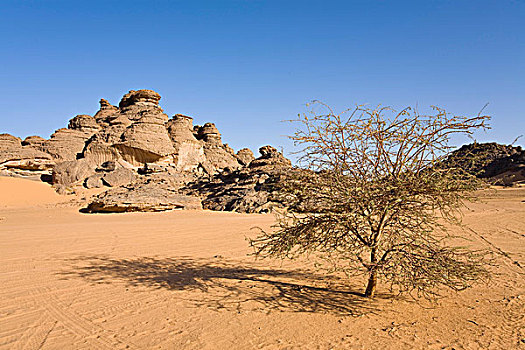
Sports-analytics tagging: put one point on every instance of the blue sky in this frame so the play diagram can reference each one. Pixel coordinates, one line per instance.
(248, 65)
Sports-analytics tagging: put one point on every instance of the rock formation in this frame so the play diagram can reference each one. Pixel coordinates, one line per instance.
(147, 193)
(245, 156)
(251, 189)
(21, 158)
(144, 158)
(499, 164)
(135, 133)
(189, 151)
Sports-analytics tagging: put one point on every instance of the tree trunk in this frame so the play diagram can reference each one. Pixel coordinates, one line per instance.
(371, 287)
(372, 280)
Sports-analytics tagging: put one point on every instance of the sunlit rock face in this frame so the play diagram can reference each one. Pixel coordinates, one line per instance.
(22, 157)
(189, 152)
(143, 157)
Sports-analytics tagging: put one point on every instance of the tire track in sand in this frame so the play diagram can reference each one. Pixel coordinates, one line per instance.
(56, 312)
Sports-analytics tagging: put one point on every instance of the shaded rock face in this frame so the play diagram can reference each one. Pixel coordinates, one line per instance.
(499, 164)
(248, 190)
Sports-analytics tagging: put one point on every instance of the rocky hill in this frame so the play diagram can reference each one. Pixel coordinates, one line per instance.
(498, 164)
(147, 160)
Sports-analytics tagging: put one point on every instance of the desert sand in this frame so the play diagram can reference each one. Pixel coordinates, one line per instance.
(184, 280)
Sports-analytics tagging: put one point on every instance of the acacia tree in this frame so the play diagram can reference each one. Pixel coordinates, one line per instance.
(376, 197)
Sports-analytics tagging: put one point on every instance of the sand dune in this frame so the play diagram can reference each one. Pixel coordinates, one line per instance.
(183, 280)
(18, 192)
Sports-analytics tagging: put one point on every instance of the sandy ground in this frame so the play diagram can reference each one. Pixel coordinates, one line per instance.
(183, 280)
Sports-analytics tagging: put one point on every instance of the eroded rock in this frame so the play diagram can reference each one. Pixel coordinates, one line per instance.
(158, 193)
(70, 172)
(23, 160)
(248, 190)
(118, 177)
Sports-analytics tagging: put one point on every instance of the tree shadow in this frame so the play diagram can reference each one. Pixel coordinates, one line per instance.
(222, 284)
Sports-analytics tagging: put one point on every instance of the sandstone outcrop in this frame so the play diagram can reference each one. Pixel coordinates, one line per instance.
(218, 155)
(105, 113)
(146, 160)
(248, 190)
(22, 159)
(84, 123)
(71, 171)
(149, 193)
(146, 140)
(189, 152)
(245, 156)
(142, 99)
(66, 144)
(34, 141)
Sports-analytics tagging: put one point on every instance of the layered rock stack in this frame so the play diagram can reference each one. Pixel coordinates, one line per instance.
(145, 158)
(23, 157)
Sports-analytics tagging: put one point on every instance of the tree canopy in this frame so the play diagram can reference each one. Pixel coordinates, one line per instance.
(377, 197)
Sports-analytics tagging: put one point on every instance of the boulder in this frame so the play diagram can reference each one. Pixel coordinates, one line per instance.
(146, 194)
(245, 156)
(118, 177)
(94, 181)
(70, 172)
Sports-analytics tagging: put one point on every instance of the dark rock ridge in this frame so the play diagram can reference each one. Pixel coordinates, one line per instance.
(498, 164)
(146, 159)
